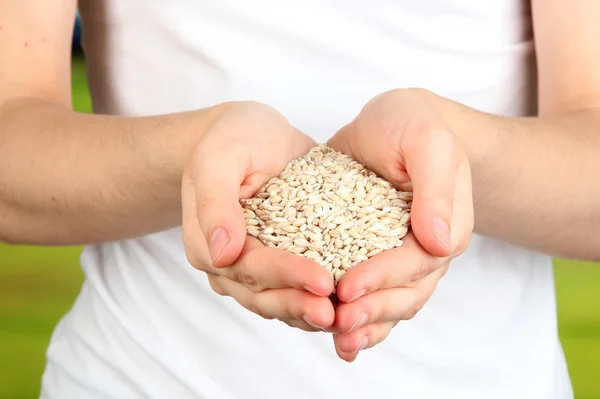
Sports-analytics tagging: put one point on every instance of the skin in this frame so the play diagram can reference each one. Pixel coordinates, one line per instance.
(565, 133)
(416, 151)
(69, 178)
(272, 283)
(91, 178)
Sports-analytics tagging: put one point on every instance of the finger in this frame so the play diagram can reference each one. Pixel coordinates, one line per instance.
(347, 346)
(431, 157)
(342, 140)
(302, 325)
(218, 171)
(420, 149)
(463, 218)
(196, 249)
(381, 155)
(409, 263)
(259, 268)
(282, 304)
(386, 305)
(398, 267)
(346, 356)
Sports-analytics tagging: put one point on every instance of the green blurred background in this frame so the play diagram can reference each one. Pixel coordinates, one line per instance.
(38, 285)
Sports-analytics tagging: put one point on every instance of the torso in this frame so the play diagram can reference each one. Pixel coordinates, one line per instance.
(148, 325)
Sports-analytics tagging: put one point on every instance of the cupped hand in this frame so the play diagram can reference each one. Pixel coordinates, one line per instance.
(249, 144)
(402, 138)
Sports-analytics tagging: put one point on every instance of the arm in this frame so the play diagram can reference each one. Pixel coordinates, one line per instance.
(536, 181)
(69, 178)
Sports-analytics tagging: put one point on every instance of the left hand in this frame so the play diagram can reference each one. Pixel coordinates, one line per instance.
(246, 146)
(401, 138)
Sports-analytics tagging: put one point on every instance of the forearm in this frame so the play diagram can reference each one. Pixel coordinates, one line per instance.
(68, 178)
(536, 181)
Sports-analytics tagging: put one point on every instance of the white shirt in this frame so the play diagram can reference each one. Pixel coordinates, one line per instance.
(147, 325)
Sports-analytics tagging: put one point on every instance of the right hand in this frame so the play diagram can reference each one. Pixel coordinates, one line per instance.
(249, 144)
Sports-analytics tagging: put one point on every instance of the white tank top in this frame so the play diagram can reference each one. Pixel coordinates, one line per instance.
(147, 325)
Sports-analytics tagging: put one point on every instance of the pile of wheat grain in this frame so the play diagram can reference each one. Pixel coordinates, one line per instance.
(327, 207)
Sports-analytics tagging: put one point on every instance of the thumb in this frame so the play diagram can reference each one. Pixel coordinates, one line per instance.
(431, 160)
(217, 177)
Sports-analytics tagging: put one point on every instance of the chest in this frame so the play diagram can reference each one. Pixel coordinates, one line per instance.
(317, 61)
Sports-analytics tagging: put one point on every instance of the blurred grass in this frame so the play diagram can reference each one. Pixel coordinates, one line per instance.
(79, 87)
(38, 285)
(578, 296)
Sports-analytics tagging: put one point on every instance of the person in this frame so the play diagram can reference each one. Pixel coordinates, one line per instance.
(488, 111)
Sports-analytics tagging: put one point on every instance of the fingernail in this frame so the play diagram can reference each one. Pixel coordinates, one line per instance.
(441, 231)
(307, 288)
(358, 294)
(363, 344)
(218, 240)
(360, 321)
(309, 321)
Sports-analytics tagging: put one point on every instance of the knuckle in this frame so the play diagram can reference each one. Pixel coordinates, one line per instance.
(407, 95)
(415, 308)
(462, 247)
(253, 305)
(444, 269)
(380, 314)
(241, 275)
(377, 334)
(213, 281)
(411, 313)
(422, 269)
(417, 92)
(192, 258)
(297, 310)
(195, 258)
(254, 108)
(422, 129)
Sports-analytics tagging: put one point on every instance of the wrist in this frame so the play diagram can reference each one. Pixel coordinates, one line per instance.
(478, 133)
(176, 138)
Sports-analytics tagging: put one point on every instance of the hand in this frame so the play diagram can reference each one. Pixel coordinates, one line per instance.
(400, 137)
(248, 145)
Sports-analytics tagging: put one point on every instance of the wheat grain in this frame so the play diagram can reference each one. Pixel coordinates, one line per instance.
(327, 207)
